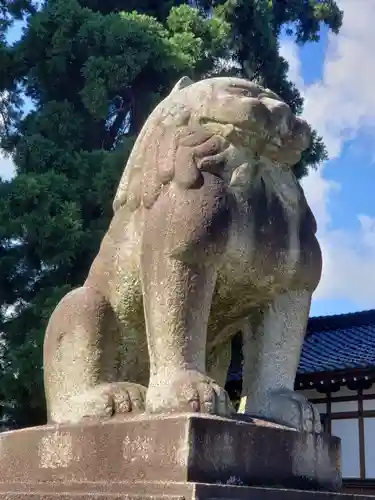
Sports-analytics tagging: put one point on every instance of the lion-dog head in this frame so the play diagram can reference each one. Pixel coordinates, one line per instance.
(228, 126)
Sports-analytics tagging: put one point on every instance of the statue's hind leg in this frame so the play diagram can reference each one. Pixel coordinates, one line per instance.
(185, 235)
(218, 362)
(81, 361)
(272, 348)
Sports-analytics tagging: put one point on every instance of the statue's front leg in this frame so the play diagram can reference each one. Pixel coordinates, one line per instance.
(272, 349)
(184, 238)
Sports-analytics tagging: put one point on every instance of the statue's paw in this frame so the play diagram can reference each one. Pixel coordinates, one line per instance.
(128, 397)
(108, 400)
(294, 410)
(188, 391)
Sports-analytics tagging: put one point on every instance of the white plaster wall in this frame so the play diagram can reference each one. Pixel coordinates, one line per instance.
(348, 431)
(368, 404)
(369, 425)
(343, 406)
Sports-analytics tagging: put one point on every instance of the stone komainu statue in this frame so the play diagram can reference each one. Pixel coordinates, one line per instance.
(211, 233)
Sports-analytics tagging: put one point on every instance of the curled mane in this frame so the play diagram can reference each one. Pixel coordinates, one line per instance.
(149, 140)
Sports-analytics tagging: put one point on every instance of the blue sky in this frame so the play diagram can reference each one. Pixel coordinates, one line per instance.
(336, 78)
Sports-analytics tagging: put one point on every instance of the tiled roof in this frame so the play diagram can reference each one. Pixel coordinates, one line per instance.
(339, 342)
(332, 343)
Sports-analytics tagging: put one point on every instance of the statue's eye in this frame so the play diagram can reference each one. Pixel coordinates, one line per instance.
(268, 94)
(245, 89)
(241, 91)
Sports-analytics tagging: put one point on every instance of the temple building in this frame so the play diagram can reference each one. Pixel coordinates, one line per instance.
(337, 373)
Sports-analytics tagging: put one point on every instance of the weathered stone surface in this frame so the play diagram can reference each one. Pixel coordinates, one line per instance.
(210, 227)
(180, 448)
(178, 491)
(167, 491)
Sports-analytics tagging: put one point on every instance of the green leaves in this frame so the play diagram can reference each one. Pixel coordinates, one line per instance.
(45, 213)
(120, 46)
(197, 40)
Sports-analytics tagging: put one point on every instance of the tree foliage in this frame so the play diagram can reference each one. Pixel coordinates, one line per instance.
(93, 70)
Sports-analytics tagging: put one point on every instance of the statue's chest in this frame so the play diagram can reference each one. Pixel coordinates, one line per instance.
(273, 210)
(265, 241)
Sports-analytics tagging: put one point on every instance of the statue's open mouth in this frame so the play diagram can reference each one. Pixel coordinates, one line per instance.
(258, 142)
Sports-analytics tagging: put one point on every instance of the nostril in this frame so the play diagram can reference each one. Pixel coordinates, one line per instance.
(284, 127)
(291, 122)
(281, 115)
(302, 132)
(276, 107)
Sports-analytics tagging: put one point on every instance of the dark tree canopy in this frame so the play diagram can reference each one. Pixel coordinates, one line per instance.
(94, 70)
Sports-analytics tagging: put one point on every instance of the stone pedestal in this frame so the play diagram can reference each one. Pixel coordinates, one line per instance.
(175, 456)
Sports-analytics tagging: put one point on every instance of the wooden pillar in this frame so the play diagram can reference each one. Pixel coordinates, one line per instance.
(361, 430)
(329, 413)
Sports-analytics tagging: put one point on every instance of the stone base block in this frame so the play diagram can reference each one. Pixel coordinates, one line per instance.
(162, 491)
(185, 448)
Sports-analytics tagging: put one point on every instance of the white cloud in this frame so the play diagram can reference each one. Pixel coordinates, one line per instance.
(341, 106)
(289, 50)
(349, 264)
(344, 101)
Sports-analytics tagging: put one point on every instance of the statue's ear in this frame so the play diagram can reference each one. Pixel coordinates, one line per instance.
(182, 83)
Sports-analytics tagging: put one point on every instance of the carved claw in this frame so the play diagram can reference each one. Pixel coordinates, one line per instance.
(199, 150)
(107, 400)
(188, 391)
(294, 410)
